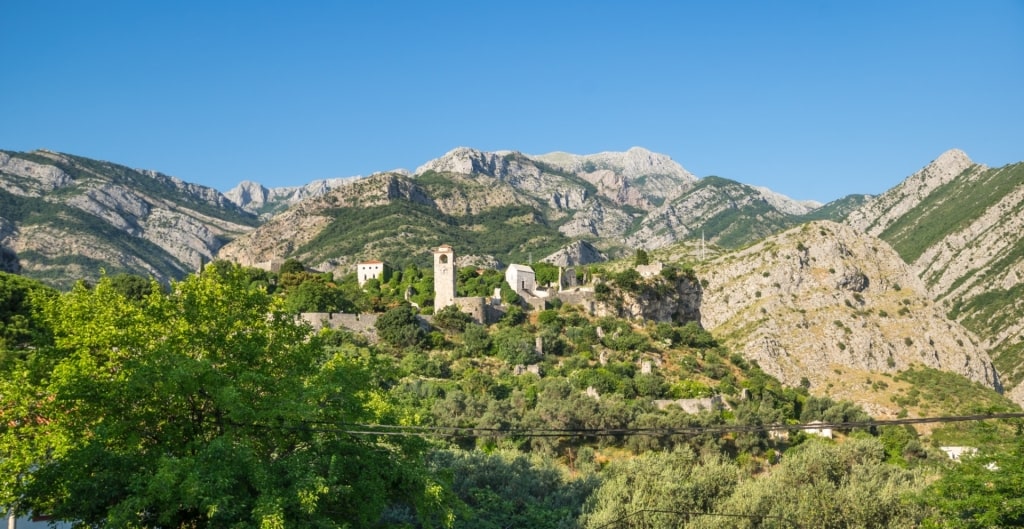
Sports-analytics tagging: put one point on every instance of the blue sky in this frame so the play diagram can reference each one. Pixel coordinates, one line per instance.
(812, 99)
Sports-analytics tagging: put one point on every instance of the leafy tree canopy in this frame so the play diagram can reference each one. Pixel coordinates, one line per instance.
(20, 327)
(205, 407)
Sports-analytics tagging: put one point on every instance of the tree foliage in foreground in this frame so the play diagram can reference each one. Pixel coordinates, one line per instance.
(818, 484)
(982, 491)
(21, 329)
(204, 407)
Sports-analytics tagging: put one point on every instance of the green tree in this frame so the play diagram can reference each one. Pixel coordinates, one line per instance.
(509, 489)
(982, 491)
(820, 484)
(641, 258)
(21, 329)
(314, 295)
(133, 286)
(205, 407)
(452, 319)
(292, 266)
(545, 273)
(515, 345)
(658, 489)
(400, 327)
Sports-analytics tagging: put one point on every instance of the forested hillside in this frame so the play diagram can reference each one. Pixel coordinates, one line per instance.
(208, 404)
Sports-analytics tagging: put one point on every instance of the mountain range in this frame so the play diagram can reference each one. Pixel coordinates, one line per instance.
(927, 273)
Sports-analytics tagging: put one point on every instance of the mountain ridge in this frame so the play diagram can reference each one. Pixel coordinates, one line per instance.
(959, 225)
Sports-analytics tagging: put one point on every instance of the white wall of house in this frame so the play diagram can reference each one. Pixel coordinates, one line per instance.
(521, 278)
(369, 270)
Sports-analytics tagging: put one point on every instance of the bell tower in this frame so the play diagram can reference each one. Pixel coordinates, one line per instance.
(444, 277)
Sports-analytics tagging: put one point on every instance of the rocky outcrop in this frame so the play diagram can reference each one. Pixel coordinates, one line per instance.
(660, 299)
(961, 226)
(785, 204)
(576, 254)
(823, 301)
(635, 163)
(255, 198)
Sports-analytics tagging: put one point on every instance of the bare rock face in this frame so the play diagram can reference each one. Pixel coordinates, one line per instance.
(110, 216)
(659, 299)
(36, 178)
(823, 301)
(576, 254)
(960, 225)
(464, 160)
(255, 198)
(787, 205)
(878, 214)
(635, 163)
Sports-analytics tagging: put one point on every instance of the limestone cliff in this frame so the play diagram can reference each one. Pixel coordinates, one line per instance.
(65, 218)
(830, 304)
(961, 226)
(255, 198)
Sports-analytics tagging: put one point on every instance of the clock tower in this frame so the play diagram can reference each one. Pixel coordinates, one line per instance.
(444, 277)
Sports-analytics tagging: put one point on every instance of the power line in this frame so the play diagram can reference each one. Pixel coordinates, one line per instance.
(473, 431)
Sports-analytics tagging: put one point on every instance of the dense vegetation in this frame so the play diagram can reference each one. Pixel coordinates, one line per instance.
(511, 232)
(209, 405)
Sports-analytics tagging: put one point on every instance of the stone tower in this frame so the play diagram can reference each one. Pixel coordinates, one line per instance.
(444, 277)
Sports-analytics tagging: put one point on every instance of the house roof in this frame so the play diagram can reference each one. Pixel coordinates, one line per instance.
(521, 268)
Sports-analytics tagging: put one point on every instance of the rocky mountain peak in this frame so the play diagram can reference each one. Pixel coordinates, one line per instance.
(465, 160)
(634, 163)
(255, 198)
(878, 214)
(785, 204)
(248, 193)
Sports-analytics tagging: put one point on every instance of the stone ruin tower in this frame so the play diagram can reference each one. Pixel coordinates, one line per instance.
(444, 277)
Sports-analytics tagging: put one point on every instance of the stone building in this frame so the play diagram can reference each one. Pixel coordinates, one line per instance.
(521, 278)
(368, 270)
(444, 277)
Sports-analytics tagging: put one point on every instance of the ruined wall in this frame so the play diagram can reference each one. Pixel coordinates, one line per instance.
(364, 324)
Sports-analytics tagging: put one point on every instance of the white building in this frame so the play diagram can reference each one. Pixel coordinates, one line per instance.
(368, 270)
(819, 429)
(521, 278)
(956, 453)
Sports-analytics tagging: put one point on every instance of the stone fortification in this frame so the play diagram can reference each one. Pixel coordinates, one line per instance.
(364, 324)
(482, 310)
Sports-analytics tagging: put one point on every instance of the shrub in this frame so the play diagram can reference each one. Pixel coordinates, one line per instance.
(400, 327)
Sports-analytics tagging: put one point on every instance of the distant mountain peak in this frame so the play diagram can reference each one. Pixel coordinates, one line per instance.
(466, 160)
(953, 156)
(879, 213)
(633, 163)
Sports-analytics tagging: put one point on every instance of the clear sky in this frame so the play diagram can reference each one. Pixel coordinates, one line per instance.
(814, 99)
